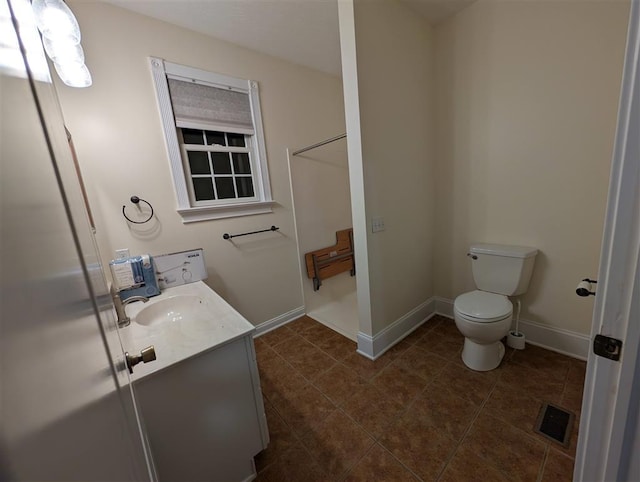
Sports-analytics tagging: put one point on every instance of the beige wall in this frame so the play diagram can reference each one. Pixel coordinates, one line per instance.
(526, 105)
(394, 68)
(118, 136)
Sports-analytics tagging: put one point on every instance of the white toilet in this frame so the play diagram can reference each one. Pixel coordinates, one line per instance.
(484, 316)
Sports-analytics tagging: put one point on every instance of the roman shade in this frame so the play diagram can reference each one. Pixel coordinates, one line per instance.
(200, 106)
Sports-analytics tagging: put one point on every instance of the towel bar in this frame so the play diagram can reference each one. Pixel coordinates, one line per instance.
(229, 236)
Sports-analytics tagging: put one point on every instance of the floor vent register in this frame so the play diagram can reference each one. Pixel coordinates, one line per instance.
(555, 423)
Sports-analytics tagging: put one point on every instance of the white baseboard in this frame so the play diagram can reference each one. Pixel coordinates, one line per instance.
(373, 347)
(563, 341)
(278, 321)
(567, 342)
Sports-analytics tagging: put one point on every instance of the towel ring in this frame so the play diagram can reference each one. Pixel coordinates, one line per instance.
(136, 200)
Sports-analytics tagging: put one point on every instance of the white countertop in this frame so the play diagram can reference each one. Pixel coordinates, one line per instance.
(213, 323)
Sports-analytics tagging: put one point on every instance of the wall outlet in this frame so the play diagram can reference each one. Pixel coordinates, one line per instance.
(377, 224)
(122, 253)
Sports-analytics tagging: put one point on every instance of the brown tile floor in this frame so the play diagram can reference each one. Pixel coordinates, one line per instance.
(416, 413)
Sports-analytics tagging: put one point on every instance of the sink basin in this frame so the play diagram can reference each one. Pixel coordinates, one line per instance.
(173, 309)
(181, 322)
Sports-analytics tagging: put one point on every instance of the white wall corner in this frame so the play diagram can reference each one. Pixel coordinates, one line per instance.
(374, 347)
(444, 307)
(346, 25)
(365, 345)
(278, 321)
(301, 269)
(566, 342)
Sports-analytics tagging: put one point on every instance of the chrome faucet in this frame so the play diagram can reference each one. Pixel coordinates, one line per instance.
(123, 319)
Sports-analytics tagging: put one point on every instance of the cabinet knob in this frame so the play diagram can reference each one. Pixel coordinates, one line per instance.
(146, 355)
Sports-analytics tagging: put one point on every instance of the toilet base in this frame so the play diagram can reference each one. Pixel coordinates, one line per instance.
(482, 357)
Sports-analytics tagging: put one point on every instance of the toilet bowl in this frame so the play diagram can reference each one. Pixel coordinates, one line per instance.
(483, 318)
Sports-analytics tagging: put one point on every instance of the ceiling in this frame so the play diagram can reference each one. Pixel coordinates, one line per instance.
(301, 31)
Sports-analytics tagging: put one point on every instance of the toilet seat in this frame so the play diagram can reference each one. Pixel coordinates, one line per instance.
(483, 307)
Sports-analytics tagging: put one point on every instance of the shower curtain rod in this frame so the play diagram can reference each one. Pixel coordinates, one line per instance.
(308, 148)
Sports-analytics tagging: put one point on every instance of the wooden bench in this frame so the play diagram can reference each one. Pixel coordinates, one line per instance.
(327, 262)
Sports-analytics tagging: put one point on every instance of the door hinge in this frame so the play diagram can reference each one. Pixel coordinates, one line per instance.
(607, 347)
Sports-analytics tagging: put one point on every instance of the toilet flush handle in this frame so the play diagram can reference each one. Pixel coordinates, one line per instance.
(472, 256)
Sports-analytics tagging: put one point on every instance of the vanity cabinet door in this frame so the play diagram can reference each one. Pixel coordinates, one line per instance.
(202, 415)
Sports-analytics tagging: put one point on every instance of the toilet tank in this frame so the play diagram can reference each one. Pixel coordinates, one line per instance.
(502, 269)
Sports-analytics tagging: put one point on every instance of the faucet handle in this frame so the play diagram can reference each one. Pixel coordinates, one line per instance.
(146, 355)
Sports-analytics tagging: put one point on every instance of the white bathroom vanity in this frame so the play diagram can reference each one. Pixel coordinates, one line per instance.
(200, 399)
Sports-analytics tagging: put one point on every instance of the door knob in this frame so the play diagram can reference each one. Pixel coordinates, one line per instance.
(146, 355)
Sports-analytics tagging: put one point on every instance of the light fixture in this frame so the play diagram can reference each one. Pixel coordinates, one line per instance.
(55, 20)
(63, 51)
(61, 38)
(74, 74)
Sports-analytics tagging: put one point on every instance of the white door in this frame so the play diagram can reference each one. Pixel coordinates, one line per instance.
(609, 443)
(67, 410)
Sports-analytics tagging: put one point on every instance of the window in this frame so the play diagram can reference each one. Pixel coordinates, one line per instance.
(215, 142)
(219, 166)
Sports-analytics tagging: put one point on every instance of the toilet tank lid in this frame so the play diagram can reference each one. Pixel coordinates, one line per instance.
(504, 250)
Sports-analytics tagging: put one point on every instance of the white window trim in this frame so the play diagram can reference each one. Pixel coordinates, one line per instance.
(160, 69)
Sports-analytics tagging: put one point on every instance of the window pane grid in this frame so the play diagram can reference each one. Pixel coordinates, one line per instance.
(228, 162)
(208, 139)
